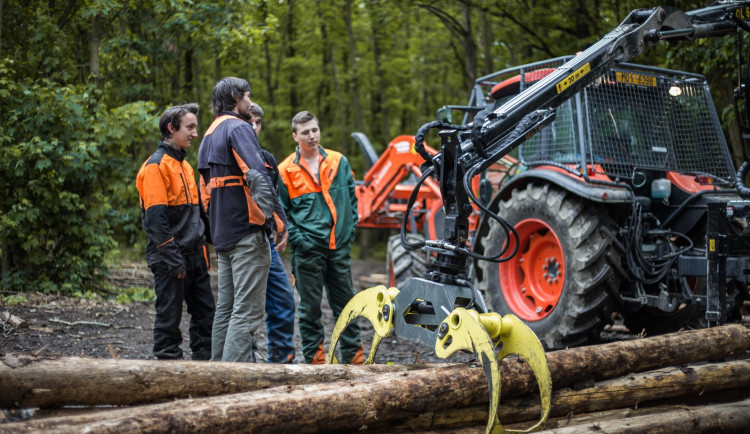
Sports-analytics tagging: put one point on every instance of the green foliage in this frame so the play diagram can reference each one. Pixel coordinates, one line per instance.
(12, 300)
(87, 295)
(60, 166)
(136, 294)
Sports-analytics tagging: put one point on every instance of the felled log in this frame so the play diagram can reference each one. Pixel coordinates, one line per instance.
(683, 383)
(342, 405)
(598, 416)
(30, 382)
(78, 381)
(598, 362)
(350, 405)
(728, 418)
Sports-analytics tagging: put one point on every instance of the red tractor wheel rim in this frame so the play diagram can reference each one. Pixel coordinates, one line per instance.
(533, 280)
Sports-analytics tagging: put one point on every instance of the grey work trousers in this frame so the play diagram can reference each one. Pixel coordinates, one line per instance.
(243, 273)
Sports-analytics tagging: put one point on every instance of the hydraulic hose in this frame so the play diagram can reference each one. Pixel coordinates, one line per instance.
(742, 189)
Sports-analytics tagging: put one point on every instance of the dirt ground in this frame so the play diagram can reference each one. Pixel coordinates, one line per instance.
(57, 326)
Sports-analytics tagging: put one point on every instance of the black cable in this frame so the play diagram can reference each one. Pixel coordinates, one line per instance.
(413, 198)
(468, 176)
(645, 270)
(690, 199)
(424, 129)
(739, 180)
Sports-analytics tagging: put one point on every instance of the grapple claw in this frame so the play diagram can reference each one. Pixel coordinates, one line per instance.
(469, 330)
(461, 330)
(519, 339)
(374, 304)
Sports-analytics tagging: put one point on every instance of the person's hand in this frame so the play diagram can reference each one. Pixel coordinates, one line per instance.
(281, 242)
(181, 275)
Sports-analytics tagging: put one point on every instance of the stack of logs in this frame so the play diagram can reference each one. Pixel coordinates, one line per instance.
(692, 381)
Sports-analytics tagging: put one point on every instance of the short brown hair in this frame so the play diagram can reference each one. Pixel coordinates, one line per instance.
(301, 118)
(173, 116)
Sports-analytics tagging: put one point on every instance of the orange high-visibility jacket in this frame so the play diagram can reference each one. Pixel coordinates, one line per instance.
(170, 208)
(321, 215)
(236, 189)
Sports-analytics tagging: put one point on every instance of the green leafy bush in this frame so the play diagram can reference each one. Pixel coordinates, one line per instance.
(12, 300)
(62, 155)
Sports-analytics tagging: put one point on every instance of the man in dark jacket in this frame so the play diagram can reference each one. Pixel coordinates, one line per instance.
(176, 249)
(242, 208)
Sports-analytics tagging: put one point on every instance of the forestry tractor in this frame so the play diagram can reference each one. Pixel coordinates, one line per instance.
(625, 204)
(625, 201)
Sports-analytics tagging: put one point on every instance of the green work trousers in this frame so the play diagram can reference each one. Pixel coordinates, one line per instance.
(313, 270)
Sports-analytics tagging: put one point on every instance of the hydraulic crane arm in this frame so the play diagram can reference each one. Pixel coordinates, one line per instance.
(642, 29)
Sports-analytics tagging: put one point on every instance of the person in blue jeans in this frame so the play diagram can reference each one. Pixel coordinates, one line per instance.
(279, 296)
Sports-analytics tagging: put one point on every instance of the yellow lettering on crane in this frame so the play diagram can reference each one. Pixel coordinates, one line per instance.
(711, 245)
(636, 79)
(572, 78)
(742, 13)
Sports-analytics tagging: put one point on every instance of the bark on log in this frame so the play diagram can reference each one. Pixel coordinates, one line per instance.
(599, 416)
(685, 384)
(353, 404)
(727, 418)
(30, 382)
(598, 362)
(343, 405)
(77, 381)
(732, 418)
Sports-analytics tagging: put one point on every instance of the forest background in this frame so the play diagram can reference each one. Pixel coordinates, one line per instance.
(83, 82)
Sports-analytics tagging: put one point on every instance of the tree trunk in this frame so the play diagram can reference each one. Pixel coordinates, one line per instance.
(217, 70)
(486, 43)
(197, 85)
(289, 53)
(6, 259)
(81, 381)
(342, 405)
(348, 405)
(1, 28)
(267, 69)
(630, 391)
(187, 83)
(728, 418)
(353, 79)
(378, 97)
(470, 47)
(328, 107)
(94, 42)
(598, 416)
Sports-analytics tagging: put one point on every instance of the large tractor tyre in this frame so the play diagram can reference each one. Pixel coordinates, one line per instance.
(401, 264)
(559, 283)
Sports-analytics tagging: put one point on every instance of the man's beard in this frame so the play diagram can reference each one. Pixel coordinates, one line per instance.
(245, 113)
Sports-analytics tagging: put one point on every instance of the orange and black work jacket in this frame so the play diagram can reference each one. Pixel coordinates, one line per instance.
(236, 189)
(321, 215)
(170, 208)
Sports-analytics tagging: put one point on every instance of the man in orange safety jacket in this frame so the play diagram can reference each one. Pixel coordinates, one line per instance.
(176, 251)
